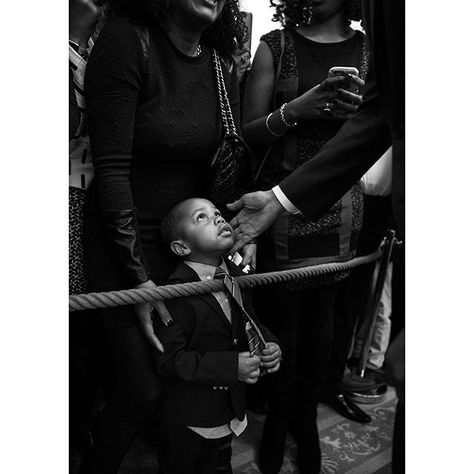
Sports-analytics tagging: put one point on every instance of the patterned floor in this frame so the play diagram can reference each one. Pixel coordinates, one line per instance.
(348, 447)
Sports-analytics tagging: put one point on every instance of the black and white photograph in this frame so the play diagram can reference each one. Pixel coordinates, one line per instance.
(227, 291)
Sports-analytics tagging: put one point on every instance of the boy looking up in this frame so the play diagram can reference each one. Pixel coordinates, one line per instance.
(206, 362)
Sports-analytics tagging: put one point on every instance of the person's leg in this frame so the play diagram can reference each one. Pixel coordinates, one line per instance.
(207, 459)
(280, 314)
(178, 449)
(381, 337)
(133, 402)
(398, 449)
(84, 376)
(315, 343)
(347, 299)
(224, 456)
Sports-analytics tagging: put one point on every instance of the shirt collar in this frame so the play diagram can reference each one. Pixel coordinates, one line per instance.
(204, 271)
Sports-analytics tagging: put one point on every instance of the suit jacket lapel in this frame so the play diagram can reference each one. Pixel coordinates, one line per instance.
(184, 273)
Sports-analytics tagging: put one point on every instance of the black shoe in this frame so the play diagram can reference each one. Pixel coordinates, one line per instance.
(348, 409)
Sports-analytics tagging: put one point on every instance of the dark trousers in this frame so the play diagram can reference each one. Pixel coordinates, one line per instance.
(398, 449)
(182, 451)
(303, 322)
(132, 403)
(89, 372)
(353, 297)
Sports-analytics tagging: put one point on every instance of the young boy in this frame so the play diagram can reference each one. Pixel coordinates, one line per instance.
(206, 362)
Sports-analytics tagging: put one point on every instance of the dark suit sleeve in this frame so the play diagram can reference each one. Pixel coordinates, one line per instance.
(314, 187)
(177, 362)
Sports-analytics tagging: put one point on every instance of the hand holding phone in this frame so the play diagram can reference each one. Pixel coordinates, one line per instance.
(345, 71)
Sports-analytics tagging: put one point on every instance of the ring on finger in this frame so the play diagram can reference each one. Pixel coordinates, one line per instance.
(327, 108)
(243, 59)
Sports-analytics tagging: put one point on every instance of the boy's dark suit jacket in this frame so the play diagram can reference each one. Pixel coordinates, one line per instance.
(200, 361)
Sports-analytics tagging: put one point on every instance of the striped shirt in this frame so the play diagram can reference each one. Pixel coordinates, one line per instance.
(80, 159)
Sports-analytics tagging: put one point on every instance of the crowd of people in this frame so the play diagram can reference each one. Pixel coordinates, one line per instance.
(149, 84)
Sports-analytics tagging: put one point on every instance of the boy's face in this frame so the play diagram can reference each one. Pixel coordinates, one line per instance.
(204, 231)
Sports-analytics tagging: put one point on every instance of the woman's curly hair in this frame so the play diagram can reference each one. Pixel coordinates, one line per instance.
(293, 13)
(227, 33)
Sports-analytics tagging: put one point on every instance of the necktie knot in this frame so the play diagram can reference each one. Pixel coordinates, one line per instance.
(220, 274)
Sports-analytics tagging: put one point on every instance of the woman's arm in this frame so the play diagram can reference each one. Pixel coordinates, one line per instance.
(112, 86)
(113, 79)
(262, 125)
(258, 99)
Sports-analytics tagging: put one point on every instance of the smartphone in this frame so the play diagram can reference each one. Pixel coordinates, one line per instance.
(344, 71)
(236, 258)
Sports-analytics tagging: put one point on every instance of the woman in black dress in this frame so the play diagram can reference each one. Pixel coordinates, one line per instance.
(154, 124)
(291, 109)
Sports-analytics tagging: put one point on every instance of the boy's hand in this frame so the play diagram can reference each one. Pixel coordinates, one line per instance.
(271, 357)
(249, 370)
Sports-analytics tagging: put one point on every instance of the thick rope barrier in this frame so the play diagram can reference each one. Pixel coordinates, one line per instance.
(148, 295)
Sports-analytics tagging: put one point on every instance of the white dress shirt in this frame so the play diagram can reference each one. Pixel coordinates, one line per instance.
(284, 201)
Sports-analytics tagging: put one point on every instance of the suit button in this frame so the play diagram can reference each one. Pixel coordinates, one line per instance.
(235, 341)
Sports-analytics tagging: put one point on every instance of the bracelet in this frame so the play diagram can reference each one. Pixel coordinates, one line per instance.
(270, 130)
(283, 119)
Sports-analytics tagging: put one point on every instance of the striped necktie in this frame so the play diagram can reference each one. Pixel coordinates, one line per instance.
(254, 336)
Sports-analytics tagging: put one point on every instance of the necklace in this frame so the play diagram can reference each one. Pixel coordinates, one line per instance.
(198, 50)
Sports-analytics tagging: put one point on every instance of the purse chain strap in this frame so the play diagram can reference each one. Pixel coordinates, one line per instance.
(226, 111)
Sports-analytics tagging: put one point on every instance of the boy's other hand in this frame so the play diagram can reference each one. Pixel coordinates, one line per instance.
(271, 357)
(249, 370)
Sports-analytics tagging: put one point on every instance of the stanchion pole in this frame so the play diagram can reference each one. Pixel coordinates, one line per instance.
(374, 301)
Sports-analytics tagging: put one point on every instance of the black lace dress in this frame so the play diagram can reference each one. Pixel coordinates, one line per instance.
(296, 241)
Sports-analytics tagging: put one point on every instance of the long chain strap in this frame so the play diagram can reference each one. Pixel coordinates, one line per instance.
(226, 111)
(364, 62)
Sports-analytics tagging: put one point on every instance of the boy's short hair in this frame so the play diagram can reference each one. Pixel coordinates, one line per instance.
(169, 227)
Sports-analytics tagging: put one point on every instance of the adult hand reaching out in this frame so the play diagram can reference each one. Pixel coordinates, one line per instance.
(257, 212)
(143, 313)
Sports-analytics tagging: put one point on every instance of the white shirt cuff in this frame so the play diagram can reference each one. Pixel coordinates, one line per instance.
(284, 201)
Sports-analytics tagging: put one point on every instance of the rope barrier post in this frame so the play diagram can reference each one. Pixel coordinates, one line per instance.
(375, 298)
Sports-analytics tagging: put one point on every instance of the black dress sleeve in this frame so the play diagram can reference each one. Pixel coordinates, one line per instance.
(112, 86)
